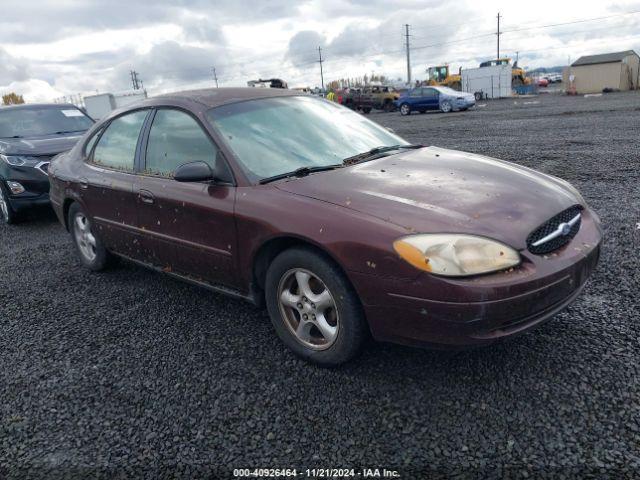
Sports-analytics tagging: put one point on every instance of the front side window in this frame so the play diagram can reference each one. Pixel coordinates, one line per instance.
(117, 146)
(175, 139)
(271, 136)
(23, 122)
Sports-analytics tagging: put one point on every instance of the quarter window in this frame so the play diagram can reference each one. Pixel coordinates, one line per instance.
(91, 142)
(117, 146)
(175, 139)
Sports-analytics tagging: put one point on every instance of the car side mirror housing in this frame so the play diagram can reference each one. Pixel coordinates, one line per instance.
(194, 172)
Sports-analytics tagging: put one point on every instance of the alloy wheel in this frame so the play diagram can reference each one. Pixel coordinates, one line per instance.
(308, 309)
(404, 109)
(85, 239)
(446, 107)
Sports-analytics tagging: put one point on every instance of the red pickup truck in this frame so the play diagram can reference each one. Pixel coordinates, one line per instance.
(357, 99)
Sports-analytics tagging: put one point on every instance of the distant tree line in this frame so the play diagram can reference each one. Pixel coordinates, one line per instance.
(356, 81)
(12, 99)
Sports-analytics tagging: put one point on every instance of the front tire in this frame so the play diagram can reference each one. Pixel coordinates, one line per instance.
(446, 106)
(7, 214)
(90, 248)
(405, 109)
(313, 307)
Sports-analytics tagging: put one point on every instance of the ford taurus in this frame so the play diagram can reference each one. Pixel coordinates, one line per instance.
(340, 227)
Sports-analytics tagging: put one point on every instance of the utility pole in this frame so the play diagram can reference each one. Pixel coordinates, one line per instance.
(406, 28)
(215, 77)
(321, 74)
(134, 80)
(498, 35)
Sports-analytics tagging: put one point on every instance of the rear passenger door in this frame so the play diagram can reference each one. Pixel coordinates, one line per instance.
(189, 228)
(106, 189)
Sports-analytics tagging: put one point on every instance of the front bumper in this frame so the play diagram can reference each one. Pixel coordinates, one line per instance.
(464, 104)
(484, 309)
(34, 181)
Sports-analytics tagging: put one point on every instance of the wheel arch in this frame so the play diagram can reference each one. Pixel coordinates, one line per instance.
(272, 247)
(66, 205)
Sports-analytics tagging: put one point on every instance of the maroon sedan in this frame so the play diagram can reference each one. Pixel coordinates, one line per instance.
(339, 226)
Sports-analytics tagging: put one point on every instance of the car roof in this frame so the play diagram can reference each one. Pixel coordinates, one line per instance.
(215, 97)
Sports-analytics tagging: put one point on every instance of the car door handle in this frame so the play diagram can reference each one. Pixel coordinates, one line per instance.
(84, 183)
(146, 197)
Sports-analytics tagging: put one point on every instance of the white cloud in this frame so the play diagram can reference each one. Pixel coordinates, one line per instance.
(84, 45)
(32, 90)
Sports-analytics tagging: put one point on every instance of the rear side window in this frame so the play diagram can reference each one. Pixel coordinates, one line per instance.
(117, 147)
(175, 139)
(416, 92)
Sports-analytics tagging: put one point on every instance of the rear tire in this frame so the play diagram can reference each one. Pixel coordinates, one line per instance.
(366, 110)
(313, 307)
(7, 214)
(90, 248)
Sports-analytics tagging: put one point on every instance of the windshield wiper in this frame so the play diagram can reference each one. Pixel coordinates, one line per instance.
(300, 172)
(68, 131)
(369, 155)
(15, 136)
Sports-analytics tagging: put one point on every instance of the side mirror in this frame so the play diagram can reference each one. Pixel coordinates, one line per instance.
(194, 172)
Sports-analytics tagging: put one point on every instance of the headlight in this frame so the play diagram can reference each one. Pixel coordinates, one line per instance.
(19, 160)
(455, 255)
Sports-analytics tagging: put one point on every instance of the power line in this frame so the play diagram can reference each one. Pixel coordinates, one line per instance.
(572, 22)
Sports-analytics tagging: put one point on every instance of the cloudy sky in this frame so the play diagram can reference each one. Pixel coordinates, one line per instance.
(51, 48)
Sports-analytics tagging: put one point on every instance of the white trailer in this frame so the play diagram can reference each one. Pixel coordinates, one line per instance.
(99, 106)
(487, 82)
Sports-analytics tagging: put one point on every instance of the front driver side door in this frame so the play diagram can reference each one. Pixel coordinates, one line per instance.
(415, 98)
(188, 228)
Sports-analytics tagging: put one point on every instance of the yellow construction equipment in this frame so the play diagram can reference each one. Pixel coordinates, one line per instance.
(518, 75)
(439, 75)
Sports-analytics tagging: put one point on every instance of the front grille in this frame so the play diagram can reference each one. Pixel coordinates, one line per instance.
(551, 226)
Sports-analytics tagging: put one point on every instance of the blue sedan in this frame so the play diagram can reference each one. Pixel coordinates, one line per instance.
(445, 99)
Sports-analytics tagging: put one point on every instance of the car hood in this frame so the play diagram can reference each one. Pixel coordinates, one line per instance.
(47, 145)
(438, 190)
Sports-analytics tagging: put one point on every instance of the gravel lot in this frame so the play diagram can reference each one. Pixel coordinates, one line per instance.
(130, 374)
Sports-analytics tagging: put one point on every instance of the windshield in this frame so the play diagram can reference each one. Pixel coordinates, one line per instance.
(40, 121)
(273, 136)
